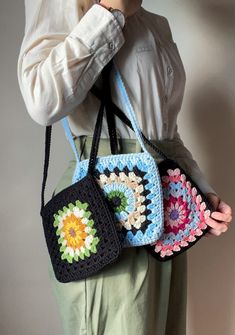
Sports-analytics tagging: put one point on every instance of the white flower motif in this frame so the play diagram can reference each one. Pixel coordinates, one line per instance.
(87, 229)
(103, 178)
(78, 212)
(75, 231)
(70, 251)
(122, 176)
(85, 221)
(113, 176)
(60, 226)
(88, 240)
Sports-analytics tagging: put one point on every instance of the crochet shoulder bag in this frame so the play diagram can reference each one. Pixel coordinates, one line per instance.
(130, 182)
(78, 222)
(186, 208)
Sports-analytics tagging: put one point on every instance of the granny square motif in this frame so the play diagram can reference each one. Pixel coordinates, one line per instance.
(186, 209)
(80, 231)
(131, 184)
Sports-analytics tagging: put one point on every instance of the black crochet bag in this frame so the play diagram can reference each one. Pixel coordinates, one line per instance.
(78, 222)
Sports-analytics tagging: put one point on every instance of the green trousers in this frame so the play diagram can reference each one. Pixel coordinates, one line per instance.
(137, 295)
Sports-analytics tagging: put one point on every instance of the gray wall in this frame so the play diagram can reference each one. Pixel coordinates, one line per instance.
(205, 33)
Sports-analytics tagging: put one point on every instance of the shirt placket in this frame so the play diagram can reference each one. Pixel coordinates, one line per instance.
(168, 75)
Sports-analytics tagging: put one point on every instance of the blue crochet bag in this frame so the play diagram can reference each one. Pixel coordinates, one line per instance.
(131, 183)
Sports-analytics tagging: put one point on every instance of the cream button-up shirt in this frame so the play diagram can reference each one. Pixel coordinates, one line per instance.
(64, 51)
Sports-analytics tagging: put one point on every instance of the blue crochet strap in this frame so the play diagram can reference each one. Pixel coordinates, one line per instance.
(69, 136)
(126, 102)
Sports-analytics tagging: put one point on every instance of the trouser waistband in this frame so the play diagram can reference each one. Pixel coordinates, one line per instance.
(125, 145)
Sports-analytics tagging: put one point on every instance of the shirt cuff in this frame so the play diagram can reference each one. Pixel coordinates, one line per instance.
(99, 30)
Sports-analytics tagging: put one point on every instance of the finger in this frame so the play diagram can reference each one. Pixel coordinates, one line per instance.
(222, 216)
(228, 224)
(216, 232)
(216, 225)
(225, 208)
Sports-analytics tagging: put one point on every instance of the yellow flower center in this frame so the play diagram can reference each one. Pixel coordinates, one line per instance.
(74, 231)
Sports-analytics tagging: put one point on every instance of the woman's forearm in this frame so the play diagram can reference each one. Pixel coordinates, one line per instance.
(58, 65)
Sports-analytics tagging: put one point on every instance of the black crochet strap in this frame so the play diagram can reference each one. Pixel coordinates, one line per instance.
(122, 116)
(96, 137)
(48, 132)
(105, 102)
(46, 163)
(108, 105)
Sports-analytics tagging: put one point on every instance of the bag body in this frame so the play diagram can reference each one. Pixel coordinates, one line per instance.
(185, 206)
(80, 231)
(80, 222)
(186, 209)
(131, 183)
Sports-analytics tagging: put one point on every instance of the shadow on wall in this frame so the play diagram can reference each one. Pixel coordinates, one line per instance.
(217, 13)
(213, 113)
(213, 108)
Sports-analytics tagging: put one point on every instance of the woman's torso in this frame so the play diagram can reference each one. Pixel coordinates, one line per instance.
(154, 76)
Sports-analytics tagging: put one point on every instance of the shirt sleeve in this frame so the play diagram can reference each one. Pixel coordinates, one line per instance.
(62, 54)
(177, 150)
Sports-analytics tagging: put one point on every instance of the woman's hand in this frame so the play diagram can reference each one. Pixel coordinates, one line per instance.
(223, 213)
(128, 7)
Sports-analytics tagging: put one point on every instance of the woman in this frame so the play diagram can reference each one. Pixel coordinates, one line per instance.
(65, 47)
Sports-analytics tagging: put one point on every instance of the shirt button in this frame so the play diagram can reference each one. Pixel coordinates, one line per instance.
(165, 98)
(169, 70)
(111, 45)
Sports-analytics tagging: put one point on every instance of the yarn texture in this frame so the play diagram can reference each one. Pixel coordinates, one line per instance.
(131, 183)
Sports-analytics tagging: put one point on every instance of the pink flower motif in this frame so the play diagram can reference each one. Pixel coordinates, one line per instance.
(198, 232)
(175, 172)
(180, 213)
(188, 185)
(197, 207)
(191, 238)
(176, 214)
(174, 176)
(198, 199)
(194, 191)
(202, 206)
(167, 250)
(207, 213)
(202, 225)
(158, 248)
(176, 248)
(192, 232)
